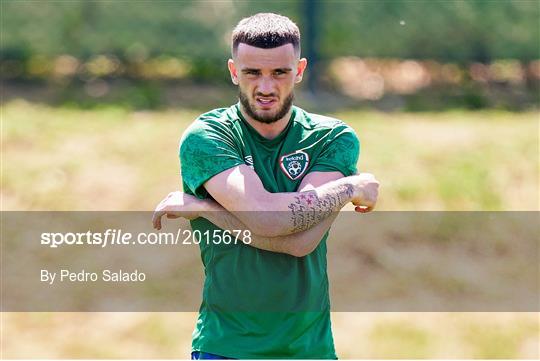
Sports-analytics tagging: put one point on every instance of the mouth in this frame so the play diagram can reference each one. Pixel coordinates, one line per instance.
(265, 102)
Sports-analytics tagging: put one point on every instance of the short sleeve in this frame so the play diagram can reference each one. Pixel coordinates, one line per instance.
(340, 153)
(206, 149)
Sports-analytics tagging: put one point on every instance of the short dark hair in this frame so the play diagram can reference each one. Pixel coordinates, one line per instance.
(267, 31)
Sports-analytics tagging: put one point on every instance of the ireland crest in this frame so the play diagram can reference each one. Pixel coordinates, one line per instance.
(294, 164)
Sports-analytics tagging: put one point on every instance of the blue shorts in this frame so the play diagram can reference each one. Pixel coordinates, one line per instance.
(199, 355)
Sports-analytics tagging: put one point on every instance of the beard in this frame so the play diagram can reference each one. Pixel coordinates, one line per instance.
(266, 118)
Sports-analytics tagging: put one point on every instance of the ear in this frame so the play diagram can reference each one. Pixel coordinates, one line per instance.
(301, 67)
(233, 71)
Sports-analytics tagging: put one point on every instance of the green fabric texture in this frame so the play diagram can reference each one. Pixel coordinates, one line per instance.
(259, 304)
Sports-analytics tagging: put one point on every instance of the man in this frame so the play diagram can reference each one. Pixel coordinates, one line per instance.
(266, 166)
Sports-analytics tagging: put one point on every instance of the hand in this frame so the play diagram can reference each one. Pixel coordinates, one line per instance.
(366, 192)
(175, 205)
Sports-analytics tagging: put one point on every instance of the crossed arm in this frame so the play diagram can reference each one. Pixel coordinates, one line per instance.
(296, 222)
(240, 191)
(297, 244)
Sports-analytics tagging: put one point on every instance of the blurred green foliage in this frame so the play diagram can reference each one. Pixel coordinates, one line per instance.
(445, 30)
(153, 54)
(452, 31)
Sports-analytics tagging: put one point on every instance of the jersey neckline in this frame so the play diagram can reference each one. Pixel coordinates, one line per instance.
(258, 136)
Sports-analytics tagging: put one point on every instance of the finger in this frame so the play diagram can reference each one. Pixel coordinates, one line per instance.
(365, 204)
(160, 214)
(369, 203)
(156, 219)
(363, 209)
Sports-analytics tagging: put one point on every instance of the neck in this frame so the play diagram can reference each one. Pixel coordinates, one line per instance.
(269, 131)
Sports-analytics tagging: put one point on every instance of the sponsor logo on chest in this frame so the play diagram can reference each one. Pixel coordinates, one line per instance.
(294, 164)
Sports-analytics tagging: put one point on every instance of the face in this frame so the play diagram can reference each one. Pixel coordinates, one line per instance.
(266, 79)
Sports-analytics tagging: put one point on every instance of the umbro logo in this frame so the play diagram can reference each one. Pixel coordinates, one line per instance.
(248, 159)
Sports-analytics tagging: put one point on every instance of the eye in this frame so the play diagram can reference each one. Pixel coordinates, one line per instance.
(279, 72)
(251, 72)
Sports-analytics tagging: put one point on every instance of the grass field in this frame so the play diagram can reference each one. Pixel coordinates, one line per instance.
(113, 159)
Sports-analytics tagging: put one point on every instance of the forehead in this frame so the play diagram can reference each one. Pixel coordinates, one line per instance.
(248, 56)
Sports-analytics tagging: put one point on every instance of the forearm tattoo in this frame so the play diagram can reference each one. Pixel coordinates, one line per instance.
(309, 209)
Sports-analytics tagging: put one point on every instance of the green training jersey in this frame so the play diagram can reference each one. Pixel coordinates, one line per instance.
(256, 303)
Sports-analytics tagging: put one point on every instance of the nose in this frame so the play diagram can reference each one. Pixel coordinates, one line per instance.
(266, 85)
